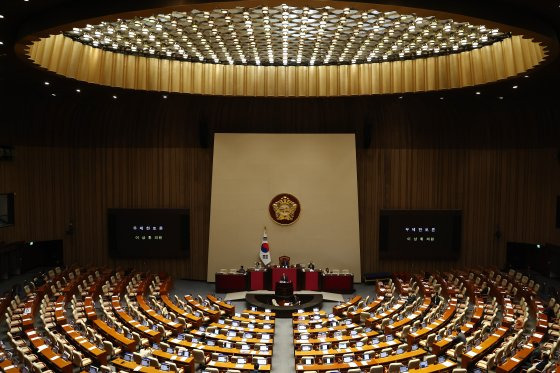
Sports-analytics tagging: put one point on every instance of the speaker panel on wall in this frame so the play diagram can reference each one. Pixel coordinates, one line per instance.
(6, 153)
(367, 132)
(204, 134)
(558, 212)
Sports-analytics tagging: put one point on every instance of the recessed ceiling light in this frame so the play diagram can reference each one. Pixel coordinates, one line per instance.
(515, 87)
(164, 96)
(500, 97)
(441, 98)
(78, 90)
(115, 97)
(53, 94)
(47, 83)
(400, 97)
(526, 76)
(1, 16)
(249, 36)
(477, 92)
(1, 43)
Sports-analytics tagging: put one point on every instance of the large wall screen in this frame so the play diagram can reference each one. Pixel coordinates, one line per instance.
(420, 234)
(148, 233)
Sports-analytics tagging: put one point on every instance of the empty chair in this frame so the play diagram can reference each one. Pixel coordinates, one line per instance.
(364, 316)
(395, 367)
(80, 361)
(431, 359)
(200, 359)
(488, 364)
(429, 341)
(137, 358)
(457, 351)
(414, 364)
(153, 362)
(376, 369)
(405, 331)
(459, 370)
(140, 341)
(111, 350)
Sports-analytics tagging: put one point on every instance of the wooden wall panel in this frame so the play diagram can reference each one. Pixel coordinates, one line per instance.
(498, 164)
(498, 190)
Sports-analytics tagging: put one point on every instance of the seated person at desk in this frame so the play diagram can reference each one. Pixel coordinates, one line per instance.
(535, 355)
(311, 265)
(544, 361)
(257, 265)
(485, 291)
(460, 337)
(241, 270)
(549, 312)
(284, 278)
(411, 298)
(519, 322)
(435, 299)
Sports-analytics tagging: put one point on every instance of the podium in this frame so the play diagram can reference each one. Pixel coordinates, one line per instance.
(291, 274)
(284, 289)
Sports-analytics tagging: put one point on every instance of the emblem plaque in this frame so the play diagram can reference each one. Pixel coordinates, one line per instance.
(284, 209)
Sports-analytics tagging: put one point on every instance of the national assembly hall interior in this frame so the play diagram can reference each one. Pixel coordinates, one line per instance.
(309, 186)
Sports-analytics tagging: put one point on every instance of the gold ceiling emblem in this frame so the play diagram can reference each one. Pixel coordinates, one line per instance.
(284, 209)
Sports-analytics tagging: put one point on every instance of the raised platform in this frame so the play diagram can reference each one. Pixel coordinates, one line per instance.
(240, 295)
(264, 301)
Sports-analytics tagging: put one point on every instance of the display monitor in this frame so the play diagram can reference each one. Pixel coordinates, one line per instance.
(420, 234)
(148, 233)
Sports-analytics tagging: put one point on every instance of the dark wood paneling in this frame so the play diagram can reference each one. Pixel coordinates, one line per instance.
(76, 157)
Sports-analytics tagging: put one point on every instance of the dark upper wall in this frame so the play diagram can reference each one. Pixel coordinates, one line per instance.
(77, 155)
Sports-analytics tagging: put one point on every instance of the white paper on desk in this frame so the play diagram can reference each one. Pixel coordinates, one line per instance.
(41, 348)
(447, 363)
(138, 368)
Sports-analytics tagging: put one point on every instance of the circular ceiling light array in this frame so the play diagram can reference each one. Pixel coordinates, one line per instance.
(287, 35)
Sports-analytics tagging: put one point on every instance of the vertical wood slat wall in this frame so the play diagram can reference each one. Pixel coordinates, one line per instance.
(512, 191)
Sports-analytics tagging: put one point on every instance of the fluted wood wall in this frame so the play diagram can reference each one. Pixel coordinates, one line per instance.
(76, 158)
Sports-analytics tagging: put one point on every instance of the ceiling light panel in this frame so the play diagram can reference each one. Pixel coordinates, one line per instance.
(287, 35)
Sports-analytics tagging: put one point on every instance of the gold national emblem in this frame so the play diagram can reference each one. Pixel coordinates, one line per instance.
(284, 209)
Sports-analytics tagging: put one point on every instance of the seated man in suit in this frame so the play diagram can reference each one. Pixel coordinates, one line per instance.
(460, 337)
(284, 261)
